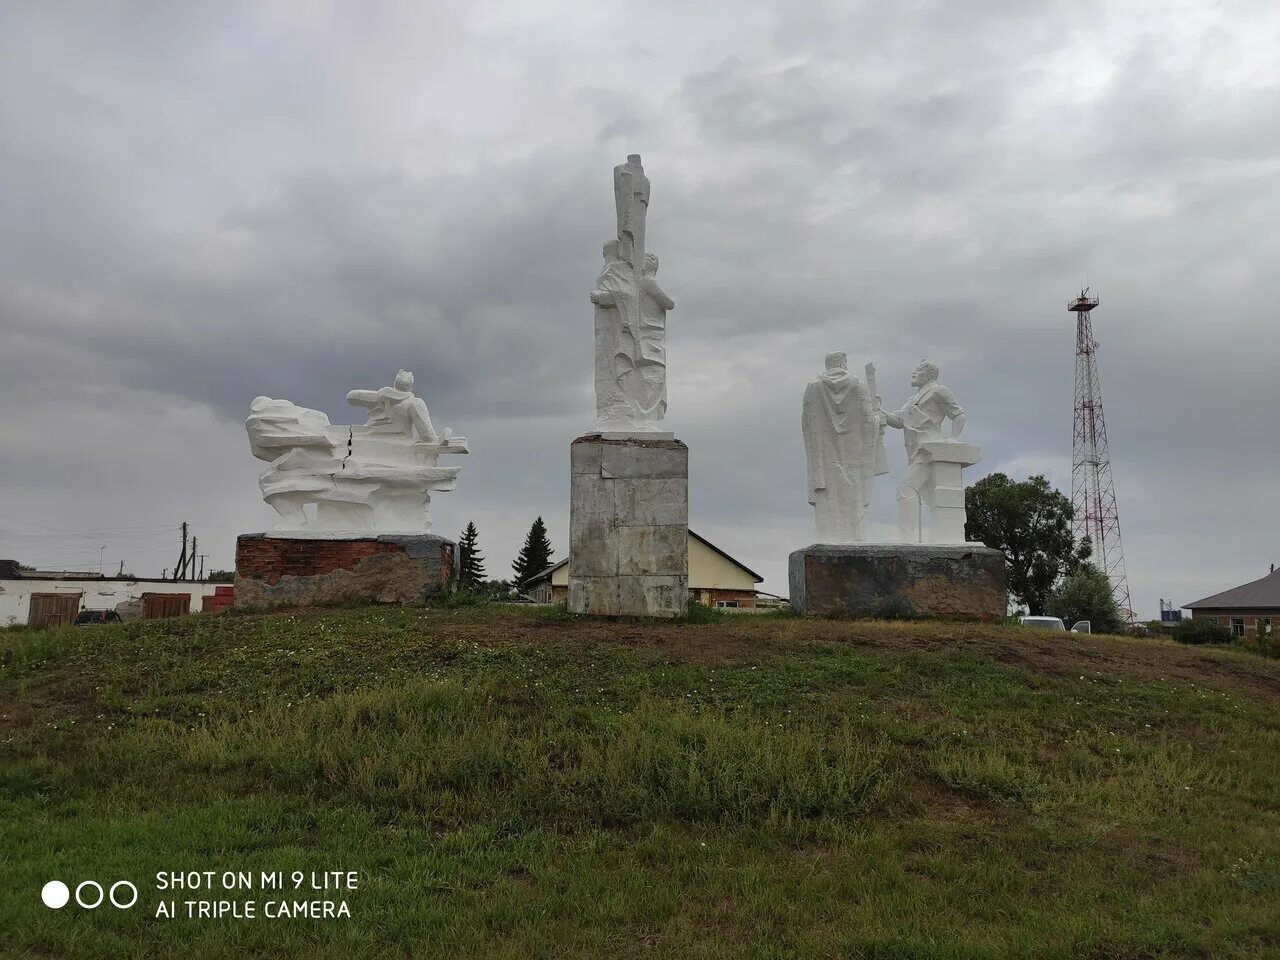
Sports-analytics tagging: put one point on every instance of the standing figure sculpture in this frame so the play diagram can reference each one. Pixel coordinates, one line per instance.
(630, 316)
(934, 462)
(841, 439)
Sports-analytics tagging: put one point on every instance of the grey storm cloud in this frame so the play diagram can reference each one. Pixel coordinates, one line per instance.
(204, 203)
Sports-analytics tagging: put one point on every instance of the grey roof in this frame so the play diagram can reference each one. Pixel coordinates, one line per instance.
(1260, 594)
(545, 573)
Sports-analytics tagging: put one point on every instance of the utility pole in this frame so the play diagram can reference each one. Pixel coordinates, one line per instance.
(202, 559)
(180, 569)
(121, 573)
(191, 575)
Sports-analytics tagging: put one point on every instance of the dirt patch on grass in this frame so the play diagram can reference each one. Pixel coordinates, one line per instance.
(1054, 655)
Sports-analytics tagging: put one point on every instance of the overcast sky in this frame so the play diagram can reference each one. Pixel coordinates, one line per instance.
(204, 202)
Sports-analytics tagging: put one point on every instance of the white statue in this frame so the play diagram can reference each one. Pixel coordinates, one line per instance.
(843, 450)
(630, 316)
(377, 477)
(934, 462)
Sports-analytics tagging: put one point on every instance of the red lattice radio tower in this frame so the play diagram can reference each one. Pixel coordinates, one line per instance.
(1093, 493)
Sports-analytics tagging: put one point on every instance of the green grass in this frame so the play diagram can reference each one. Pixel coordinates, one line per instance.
(515, 784)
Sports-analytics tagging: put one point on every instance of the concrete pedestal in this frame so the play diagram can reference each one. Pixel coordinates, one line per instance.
(955, 582)
(301, 569)
(628, 526)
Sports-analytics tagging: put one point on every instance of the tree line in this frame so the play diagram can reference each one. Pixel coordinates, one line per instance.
(534, 557)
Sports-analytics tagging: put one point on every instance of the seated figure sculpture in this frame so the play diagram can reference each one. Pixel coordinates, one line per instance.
(372, 478)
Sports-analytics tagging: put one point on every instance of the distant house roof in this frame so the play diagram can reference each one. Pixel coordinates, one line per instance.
(702, 540)
(1260, 594)
(13, 570)
(545, 573)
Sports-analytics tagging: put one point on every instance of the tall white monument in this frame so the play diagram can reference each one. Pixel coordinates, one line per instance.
(844, 451)
(630, 317)
(934, 461)
(629, 487)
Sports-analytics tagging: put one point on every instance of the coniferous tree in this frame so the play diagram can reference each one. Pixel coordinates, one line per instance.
(470, 559)
(535, 555)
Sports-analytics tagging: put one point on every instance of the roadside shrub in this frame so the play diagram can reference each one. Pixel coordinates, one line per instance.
(695, 612)
(1201, 631)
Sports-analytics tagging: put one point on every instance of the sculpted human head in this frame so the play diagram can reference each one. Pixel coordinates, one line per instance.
(650, 264)
(925, 372)
(610, 251)
(837, 361)
(403, 380)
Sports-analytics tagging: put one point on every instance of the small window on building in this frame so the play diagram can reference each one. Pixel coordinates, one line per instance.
(726, 603)
(1237, 626)
(1264, 626)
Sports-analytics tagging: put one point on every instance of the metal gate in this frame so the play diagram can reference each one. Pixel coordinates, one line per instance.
(156, 605)
(53, 609)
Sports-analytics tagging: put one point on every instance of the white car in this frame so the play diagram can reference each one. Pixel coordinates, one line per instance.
(1055, 623)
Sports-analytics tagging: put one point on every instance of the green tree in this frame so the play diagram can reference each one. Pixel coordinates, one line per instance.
(470, 559)
(221, 576)
(1086, 595)
(535, 555)
(1200, 630)
(1030, 522)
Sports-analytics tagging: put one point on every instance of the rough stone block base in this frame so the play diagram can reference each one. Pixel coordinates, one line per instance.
(628, 526)
(287, 571)
(960, 582)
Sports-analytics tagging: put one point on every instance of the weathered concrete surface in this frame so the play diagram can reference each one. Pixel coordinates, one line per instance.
(628, 526)
(955, 582)
(275, 571)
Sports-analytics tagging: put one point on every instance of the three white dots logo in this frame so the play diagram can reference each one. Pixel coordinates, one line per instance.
(56, 894)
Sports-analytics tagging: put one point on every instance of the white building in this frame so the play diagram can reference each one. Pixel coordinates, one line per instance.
(45, 598)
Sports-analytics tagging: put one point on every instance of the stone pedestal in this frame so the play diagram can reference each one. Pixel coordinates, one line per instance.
(950, 581)
(628, 525)
(949, 458)
(287, 569)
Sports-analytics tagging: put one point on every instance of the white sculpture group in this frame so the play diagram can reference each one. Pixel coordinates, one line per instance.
(380, 476)
(843, 426)
(376, 477)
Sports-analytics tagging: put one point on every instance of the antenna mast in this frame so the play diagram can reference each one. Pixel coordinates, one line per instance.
(1093, 492)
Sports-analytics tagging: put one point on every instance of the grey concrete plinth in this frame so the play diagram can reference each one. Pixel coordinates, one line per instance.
(955, 582)
(292, 569)
(628, 526)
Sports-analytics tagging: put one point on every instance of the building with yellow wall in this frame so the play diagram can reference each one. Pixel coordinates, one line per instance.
(715, 578)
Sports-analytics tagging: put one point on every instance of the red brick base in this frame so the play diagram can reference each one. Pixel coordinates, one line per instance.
(289, 571)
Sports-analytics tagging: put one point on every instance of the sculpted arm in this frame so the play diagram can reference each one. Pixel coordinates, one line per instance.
(658, 294)
(364, 398)
(893, 419)
(952, 410)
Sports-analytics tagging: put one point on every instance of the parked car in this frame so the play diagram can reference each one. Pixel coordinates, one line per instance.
(1055, 623)
(86, 617)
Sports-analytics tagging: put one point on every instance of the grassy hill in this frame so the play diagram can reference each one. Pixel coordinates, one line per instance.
(510, 783)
